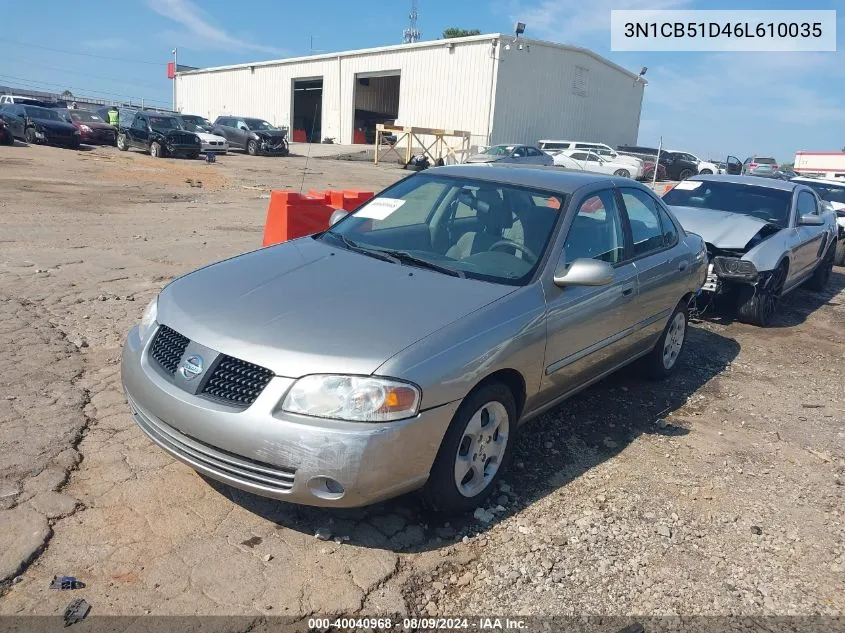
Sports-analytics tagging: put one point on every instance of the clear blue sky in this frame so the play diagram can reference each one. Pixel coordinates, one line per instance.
(707, 103)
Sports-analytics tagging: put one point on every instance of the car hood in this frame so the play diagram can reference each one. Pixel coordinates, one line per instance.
(205, 137)
(722, 229)
(273, 134)
(306, 307)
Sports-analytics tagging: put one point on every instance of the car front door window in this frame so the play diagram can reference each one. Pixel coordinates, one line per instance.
(644, 219)
(596, 230)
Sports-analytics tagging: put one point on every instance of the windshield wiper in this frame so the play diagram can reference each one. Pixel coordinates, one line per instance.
(408, 258)
(354, 246)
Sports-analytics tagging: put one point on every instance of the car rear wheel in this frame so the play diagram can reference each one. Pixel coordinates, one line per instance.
(121, 142)
(685, 173)
(156, 150)
(252, 148)
(818, 281)
(622, 172)
(476, 449)
(758, 304)
(662, 360)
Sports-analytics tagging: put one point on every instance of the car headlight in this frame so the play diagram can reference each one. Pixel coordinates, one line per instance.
(354, 398)
(84, 128)
(148, 320)
(735, 268)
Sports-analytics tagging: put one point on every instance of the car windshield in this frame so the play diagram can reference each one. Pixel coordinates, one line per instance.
(764, 203)
(456, 226)
(42, 113)
(498, 150)
(831, 193)
(84, 117)
(258, 124)
(764, 161)
(164, 123)
(194, 123)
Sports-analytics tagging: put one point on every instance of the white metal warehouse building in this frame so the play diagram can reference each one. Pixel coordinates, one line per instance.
(499, 89)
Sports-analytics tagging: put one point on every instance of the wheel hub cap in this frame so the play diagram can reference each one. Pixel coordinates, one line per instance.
(481, 449)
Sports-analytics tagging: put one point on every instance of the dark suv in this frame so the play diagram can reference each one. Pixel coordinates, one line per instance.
(256, 136)
(159, 134)
(679, 166)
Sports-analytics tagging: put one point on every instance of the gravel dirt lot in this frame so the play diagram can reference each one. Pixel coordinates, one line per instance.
(717, 492)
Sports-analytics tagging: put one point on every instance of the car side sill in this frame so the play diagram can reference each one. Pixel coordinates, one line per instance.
(553, 403)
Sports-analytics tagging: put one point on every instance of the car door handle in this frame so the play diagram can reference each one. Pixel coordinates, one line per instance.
(627, 291)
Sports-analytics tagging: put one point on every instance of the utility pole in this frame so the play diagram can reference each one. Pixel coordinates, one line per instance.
(175, 71)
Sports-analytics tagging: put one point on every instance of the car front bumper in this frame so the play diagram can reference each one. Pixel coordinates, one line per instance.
(280, 455)
(209, 148)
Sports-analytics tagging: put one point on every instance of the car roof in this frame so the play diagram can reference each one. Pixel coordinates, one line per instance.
(548, 178)
(757, 181)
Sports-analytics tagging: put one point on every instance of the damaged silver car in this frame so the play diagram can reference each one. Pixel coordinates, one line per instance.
(403, 347)
(764, 238)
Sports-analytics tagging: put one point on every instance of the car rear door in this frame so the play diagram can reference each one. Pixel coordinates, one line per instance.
(588, 327)
(662, 265)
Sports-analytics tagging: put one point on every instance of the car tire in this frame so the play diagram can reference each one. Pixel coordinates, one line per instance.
(756, 305)
(156, 150)
(685, 173)
(839, 257)
(476, 429)
(74, 144)
(705, 172)
(622, 172)
(9, 139)
(661, 361)
(821, 275)
(29, 136)
(122, 145)
(252, 147)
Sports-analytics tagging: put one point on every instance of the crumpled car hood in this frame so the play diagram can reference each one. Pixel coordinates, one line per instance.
(205, 137)
(307, 307)
(722, 229)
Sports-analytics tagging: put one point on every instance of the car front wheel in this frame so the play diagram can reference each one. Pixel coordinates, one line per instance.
(156, 150)
(758, 304)
(121, 142)
(818, 281)
(476, 449)
(29, 135)
(705, 172)
(839, 258)
(252, 148)
(622, 172)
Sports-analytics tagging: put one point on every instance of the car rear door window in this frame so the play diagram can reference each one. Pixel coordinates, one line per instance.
(644, 218)
(596, 230)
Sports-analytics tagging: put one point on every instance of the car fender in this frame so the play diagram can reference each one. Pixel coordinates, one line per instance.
(508, 334)
(768, 255)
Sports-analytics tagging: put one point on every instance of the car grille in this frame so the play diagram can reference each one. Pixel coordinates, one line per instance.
(167, 348)
(183, 139)
(216, 460)
(236, 381)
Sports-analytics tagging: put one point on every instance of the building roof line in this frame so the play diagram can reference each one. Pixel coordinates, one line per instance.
(415, 45)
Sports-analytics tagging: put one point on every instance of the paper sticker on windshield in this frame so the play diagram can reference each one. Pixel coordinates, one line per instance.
(688, 185)
(380, 208)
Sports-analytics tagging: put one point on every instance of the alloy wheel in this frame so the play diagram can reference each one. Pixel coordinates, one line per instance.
(481, 449)
(674, 340)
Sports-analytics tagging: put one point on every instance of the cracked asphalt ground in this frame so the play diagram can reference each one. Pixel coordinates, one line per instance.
(717, 492)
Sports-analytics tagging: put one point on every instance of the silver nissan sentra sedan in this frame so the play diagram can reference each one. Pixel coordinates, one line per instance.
(402, 348)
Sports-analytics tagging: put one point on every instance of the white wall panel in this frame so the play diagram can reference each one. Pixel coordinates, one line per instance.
(556, 93)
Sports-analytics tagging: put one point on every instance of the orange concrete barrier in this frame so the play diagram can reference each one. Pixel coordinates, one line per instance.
(299, 136)
(291, 215)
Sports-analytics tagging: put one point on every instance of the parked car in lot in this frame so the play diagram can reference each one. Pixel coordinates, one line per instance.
(757, 165)
(765, 237)
(832, 192)
(255, 136)
(92, 129)
(648, 171)
(35, 124)
(510, 290)
(211, 143)
(21, 100)
(512, 153)
(605, 151)
(160, 135)
(590, 161)
(678, 165)
(6, 136)
(562, 160)
(704, 167)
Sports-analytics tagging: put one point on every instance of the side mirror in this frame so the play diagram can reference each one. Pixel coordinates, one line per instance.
(583, 272)
(810, 219)
(337, 216)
